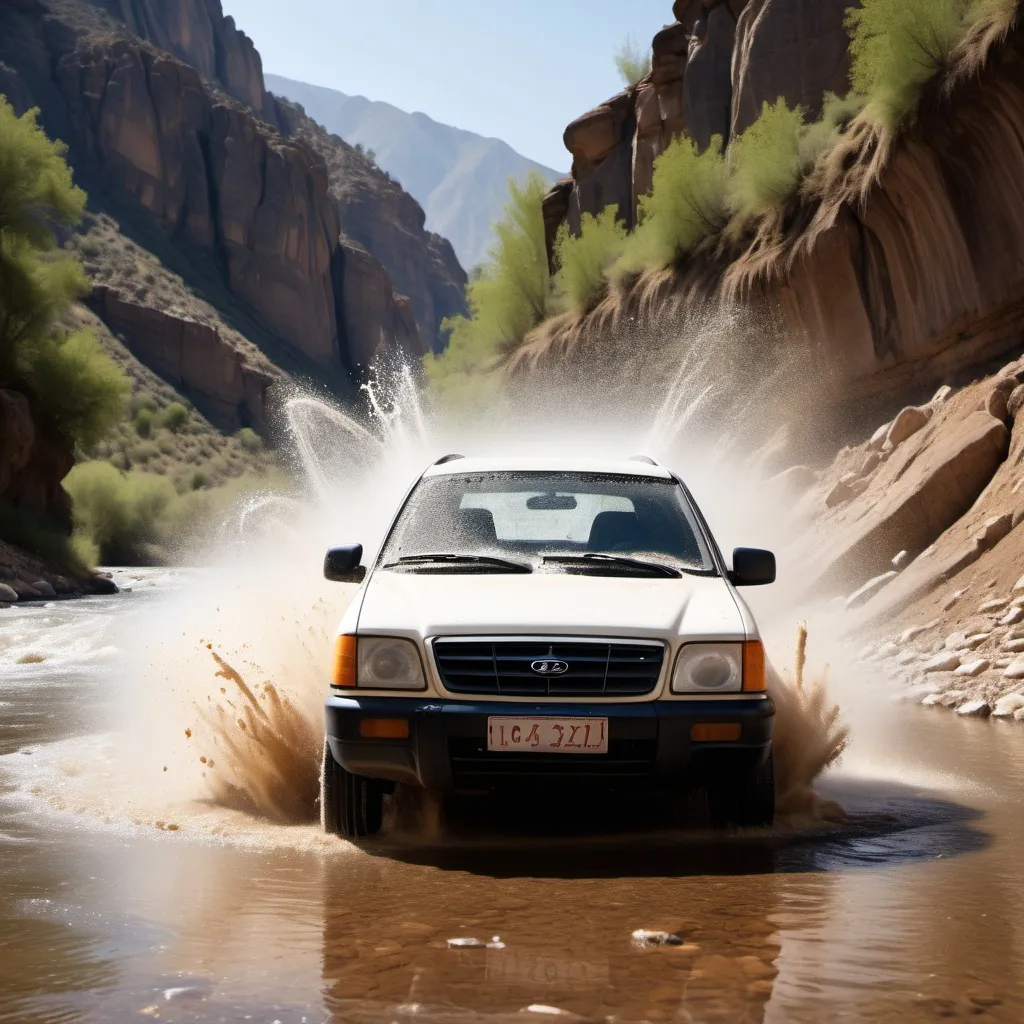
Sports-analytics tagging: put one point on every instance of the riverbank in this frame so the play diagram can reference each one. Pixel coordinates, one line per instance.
(26, 577)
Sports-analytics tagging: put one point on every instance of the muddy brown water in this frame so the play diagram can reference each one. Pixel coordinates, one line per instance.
(914, 911)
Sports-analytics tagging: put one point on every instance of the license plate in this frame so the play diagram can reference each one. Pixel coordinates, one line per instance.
(548, 735)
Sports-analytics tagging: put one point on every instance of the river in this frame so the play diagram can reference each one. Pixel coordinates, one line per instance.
(912, 911)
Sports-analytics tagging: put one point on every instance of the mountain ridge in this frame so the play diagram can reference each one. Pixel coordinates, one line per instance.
(459, 177)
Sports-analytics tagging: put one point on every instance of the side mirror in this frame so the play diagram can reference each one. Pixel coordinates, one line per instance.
(752, 567)
(342, 564)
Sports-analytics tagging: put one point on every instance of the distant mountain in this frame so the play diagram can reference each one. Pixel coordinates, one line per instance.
(459, 178)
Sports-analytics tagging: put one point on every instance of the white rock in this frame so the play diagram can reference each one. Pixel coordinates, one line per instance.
(975, 640)
(945, 661)
(907, 423)
(1015, 670)
(1014, 646)
(1013, 616)
(907, 658)
(868, 591)
(975, 709)
(941, 395)
(954, 641)
(900, 560)
(8, 594)
(551, 1011)
(909, 634)
(1003, 662)
(953, 598)
(1008, 704)
(932, 700)
(1019, 585)
(994, 605)
(466, 943)
(642, 937)
(1018, 715)
(974, 668)
(878, 438)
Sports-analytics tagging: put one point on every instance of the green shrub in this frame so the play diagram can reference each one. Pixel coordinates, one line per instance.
(583, 261)
(40, 537)
(509, 297)
(631, 62)
(764, 161)
(686, 204)
(76, 384)
(898, 46)
(175, 417)
(200, 480)
(821, 135)
(144, 420)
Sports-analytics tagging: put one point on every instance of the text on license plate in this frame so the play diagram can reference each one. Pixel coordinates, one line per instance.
(559, 735)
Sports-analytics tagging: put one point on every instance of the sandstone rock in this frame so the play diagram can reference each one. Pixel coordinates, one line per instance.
(932, 700)
(975, 640)
(906, 424)
(878, 438)
(1014, 646)
(707, 83)
(43, 589)
(871, 462)
(947, 661)
(994, 605)
(955, 641)
(941, 395)
(1016, 401)
(1012, 616)
(953, 698)
(791, 49)
(556, 210)
(995, 404)
(848, 487)
(1008, 704)
(868, 591)
(973, 668)
(1015, 670)
(8, 594)
(25, 591)
(900, 560)
(975, 709)
(953, 598)
(911, 633)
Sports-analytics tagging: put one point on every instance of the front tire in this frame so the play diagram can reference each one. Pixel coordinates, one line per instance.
(351, 806)
(746, 800)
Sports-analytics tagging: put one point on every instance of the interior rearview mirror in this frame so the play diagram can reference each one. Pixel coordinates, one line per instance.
(752, 567)
(551, 502)
(341, 565)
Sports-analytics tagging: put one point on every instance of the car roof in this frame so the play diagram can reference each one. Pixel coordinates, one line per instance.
(552, 464)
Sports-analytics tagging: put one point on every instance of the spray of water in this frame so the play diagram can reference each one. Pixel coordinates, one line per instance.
(224, 700)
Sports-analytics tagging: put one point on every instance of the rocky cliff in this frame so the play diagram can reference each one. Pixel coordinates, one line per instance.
(900, 261)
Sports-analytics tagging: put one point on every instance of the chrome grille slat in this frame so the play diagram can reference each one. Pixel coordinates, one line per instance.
(596, 668)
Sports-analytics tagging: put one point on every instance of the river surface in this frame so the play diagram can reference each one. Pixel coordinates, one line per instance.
(914, 911)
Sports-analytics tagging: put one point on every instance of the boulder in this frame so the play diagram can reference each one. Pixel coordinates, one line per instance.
(8, 594)
(975, 709)
(973, 668)
(1008, 705)
(906, 424)
(900, 560)
(1016, 401)
(43, 588)
(1015, 670)
(945, 661)
(869, 589)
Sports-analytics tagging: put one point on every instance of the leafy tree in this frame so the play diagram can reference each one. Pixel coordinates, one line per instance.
(510, 295)
(584, 261)
(631, 62)
(72, 380)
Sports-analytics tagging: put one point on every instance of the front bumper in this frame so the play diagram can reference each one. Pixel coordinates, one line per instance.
(649, 744)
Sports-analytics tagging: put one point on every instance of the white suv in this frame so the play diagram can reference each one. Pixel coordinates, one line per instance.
(533, 623)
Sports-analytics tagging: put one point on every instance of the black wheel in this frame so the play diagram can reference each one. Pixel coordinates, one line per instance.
(746, 799)
(351, 806)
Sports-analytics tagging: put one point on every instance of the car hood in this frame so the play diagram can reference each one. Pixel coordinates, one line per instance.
(408, 604)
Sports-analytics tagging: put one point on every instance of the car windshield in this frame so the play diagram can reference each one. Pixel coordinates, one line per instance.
(563, 521)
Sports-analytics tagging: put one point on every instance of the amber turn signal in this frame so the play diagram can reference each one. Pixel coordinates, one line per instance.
(753, 667)
(384, 728)
(716, 732)
(344, 667)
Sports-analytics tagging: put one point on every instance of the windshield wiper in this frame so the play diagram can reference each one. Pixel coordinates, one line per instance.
(590, 557)
(450, 559)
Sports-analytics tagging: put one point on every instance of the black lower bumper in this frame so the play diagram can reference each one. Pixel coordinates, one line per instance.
(648, 744)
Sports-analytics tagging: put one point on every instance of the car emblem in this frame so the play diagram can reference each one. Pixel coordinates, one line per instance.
(550, 668)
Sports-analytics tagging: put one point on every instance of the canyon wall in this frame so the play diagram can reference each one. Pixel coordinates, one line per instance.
(900, 266)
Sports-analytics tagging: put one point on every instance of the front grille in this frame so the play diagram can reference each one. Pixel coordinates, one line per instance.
(502, 667)
(473, 765)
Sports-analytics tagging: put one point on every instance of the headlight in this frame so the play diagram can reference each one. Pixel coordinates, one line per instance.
(709, 668)
(387, 663)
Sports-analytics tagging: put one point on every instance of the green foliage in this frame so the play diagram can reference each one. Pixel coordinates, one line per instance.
(144, 420)
(175, 417)
(765, 160)
(631, 62)
(898, 46)
(42, 538)
(687, 203)
(249, 440)
(509, 297)
(81, 388)
(821, 135)
(72, 380)
(140, 518)
(584, 261)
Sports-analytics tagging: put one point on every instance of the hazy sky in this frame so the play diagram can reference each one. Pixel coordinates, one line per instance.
(520, 70)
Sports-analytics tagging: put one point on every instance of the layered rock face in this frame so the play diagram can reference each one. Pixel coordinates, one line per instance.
(198, 33)
(711, 72)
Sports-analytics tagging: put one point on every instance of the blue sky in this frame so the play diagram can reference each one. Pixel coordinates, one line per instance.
(520, 70)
